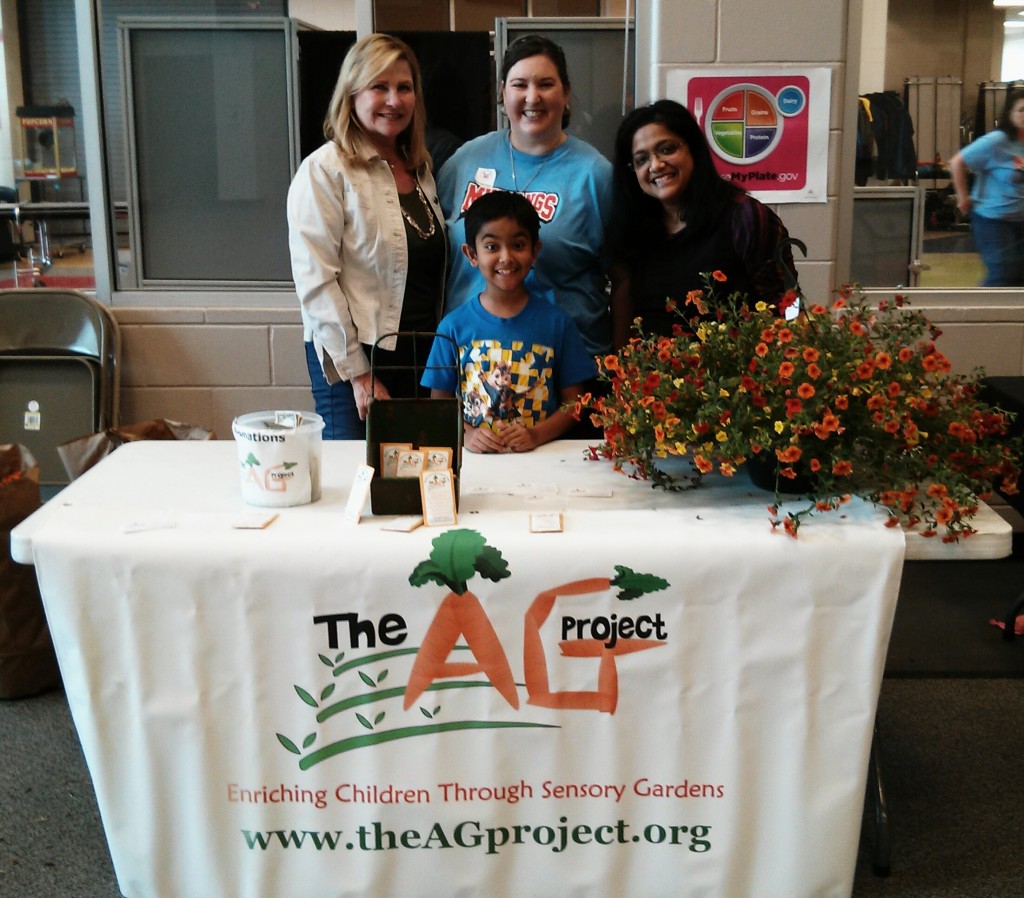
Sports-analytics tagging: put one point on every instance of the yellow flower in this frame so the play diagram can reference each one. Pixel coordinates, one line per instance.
(723, 392)
(702, 333)
(721, 436)
(761, 306)
(779, 427)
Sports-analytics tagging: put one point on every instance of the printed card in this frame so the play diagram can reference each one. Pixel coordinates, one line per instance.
(546, 522)
(410, 462)
(359, 493)
(403, 524)
(439, 458)
(254, 520)
(389, 458)
(437, 489)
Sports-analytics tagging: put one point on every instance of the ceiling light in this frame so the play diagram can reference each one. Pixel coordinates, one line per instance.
(1007, 4)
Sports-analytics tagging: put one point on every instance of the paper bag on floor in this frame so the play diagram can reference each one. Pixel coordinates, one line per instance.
(27, 662)
(81, 454)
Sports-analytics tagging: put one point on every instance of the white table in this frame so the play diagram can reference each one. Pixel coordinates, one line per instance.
(189, 651)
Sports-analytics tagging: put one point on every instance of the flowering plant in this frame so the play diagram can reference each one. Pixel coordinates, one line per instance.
(854, 399)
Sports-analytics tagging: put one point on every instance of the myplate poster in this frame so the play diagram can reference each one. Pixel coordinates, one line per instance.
(768, 131)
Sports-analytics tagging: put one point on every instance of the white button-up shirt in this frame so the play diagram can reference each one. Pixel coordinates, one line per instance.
(349, 255)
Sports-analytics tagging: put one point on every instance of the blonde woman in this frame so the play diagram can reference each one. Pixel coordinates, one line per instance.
(366, 235)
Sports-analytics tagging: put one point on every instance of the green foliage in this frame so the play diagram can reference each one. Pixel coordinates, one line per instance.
(458, 555)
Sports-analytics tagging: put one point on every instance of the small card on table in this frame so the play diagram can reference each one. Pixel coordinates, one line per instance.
(546, 522)
(359, 493)
(437, 490)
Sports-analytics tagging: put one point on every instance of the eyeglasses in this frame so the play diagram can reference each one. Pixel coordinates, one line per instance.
(663, 151)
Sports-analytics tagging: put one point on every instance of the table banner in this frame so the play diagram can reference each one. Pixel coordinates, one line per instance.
(649, 703)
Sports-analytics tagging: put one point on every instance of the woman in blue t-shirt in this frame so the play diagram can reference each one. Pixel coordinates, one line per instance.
(996, 199)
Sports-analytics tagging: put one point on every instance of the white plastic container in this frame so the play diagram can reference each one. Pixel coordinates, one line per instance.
(279, 456)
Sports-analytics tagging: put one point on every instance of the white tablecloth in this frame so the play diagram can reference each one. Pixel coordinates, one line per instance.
(237, 752)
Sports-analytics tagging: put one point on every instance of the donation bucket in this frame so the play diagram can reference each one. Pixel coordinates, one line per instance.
(279, 457)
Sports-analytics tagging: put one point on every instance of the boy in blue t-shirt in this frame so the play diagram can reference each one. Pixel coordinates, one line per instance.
(519, 358)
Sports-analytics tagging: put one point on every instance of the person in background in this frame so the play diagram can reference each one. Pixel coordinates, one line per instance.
(567, 181)
(366, 236)
(513, 357)
(995, 202)
(677, 220)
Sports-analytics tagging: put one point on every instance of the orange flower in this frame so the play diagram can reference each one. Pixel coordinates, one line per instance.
(883, 360)
(702, 464)
(805, 391)
(761, 349)
(719, 276)
(905, 354)
(842, 403)
(789, 455)
(786, 369)
(785, 335)
(842, 468)
(813, 371)
(810, 354)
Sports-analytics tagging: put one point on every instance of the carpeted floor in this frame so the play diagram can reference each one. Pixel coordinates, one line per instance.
(942, 624)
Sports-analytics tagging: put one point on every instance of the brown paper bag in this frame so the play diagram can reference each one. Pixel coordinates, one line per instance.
(81, 454)
(27, 662)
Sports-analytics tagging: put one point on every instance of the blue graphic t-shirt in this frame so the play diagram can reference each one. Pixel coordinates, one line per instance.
(570, 188)
(508, 368)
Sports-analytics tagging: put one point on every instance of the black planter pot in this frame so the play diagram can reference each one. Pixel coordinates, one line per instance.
(763, 471)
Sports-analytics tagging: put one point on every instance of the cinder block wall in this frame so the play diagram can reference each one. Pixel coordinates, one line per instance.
(205, 366)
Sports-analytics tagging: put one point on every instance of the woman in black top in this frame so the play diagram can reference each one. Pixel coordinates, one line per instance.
(677, 219)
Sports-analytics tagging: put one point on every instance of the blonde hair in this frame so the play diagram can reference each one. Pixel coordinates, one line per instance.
(364, 62)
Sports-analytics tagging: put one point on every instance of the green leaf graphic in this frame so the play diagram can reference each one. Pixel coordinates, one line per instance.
(251, 461)
(427, 572)
(426, 713)
(382, 677)
(306, 697)
(309, 740)
(366, 679)
(338, 657)
(288, 465)
(457, 555)
(327, 690)
(364, 721)
(633, 585)
(287, 743)
(379, 718)
(327, 661)
(491, 565)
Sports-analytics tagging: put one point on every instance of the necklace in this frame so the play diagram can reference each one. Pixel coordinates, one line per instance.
(536, 171)
(423, 235)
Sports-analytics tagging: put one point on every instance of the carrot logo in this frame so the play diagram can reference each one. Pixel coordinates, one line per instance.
(456, 557)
